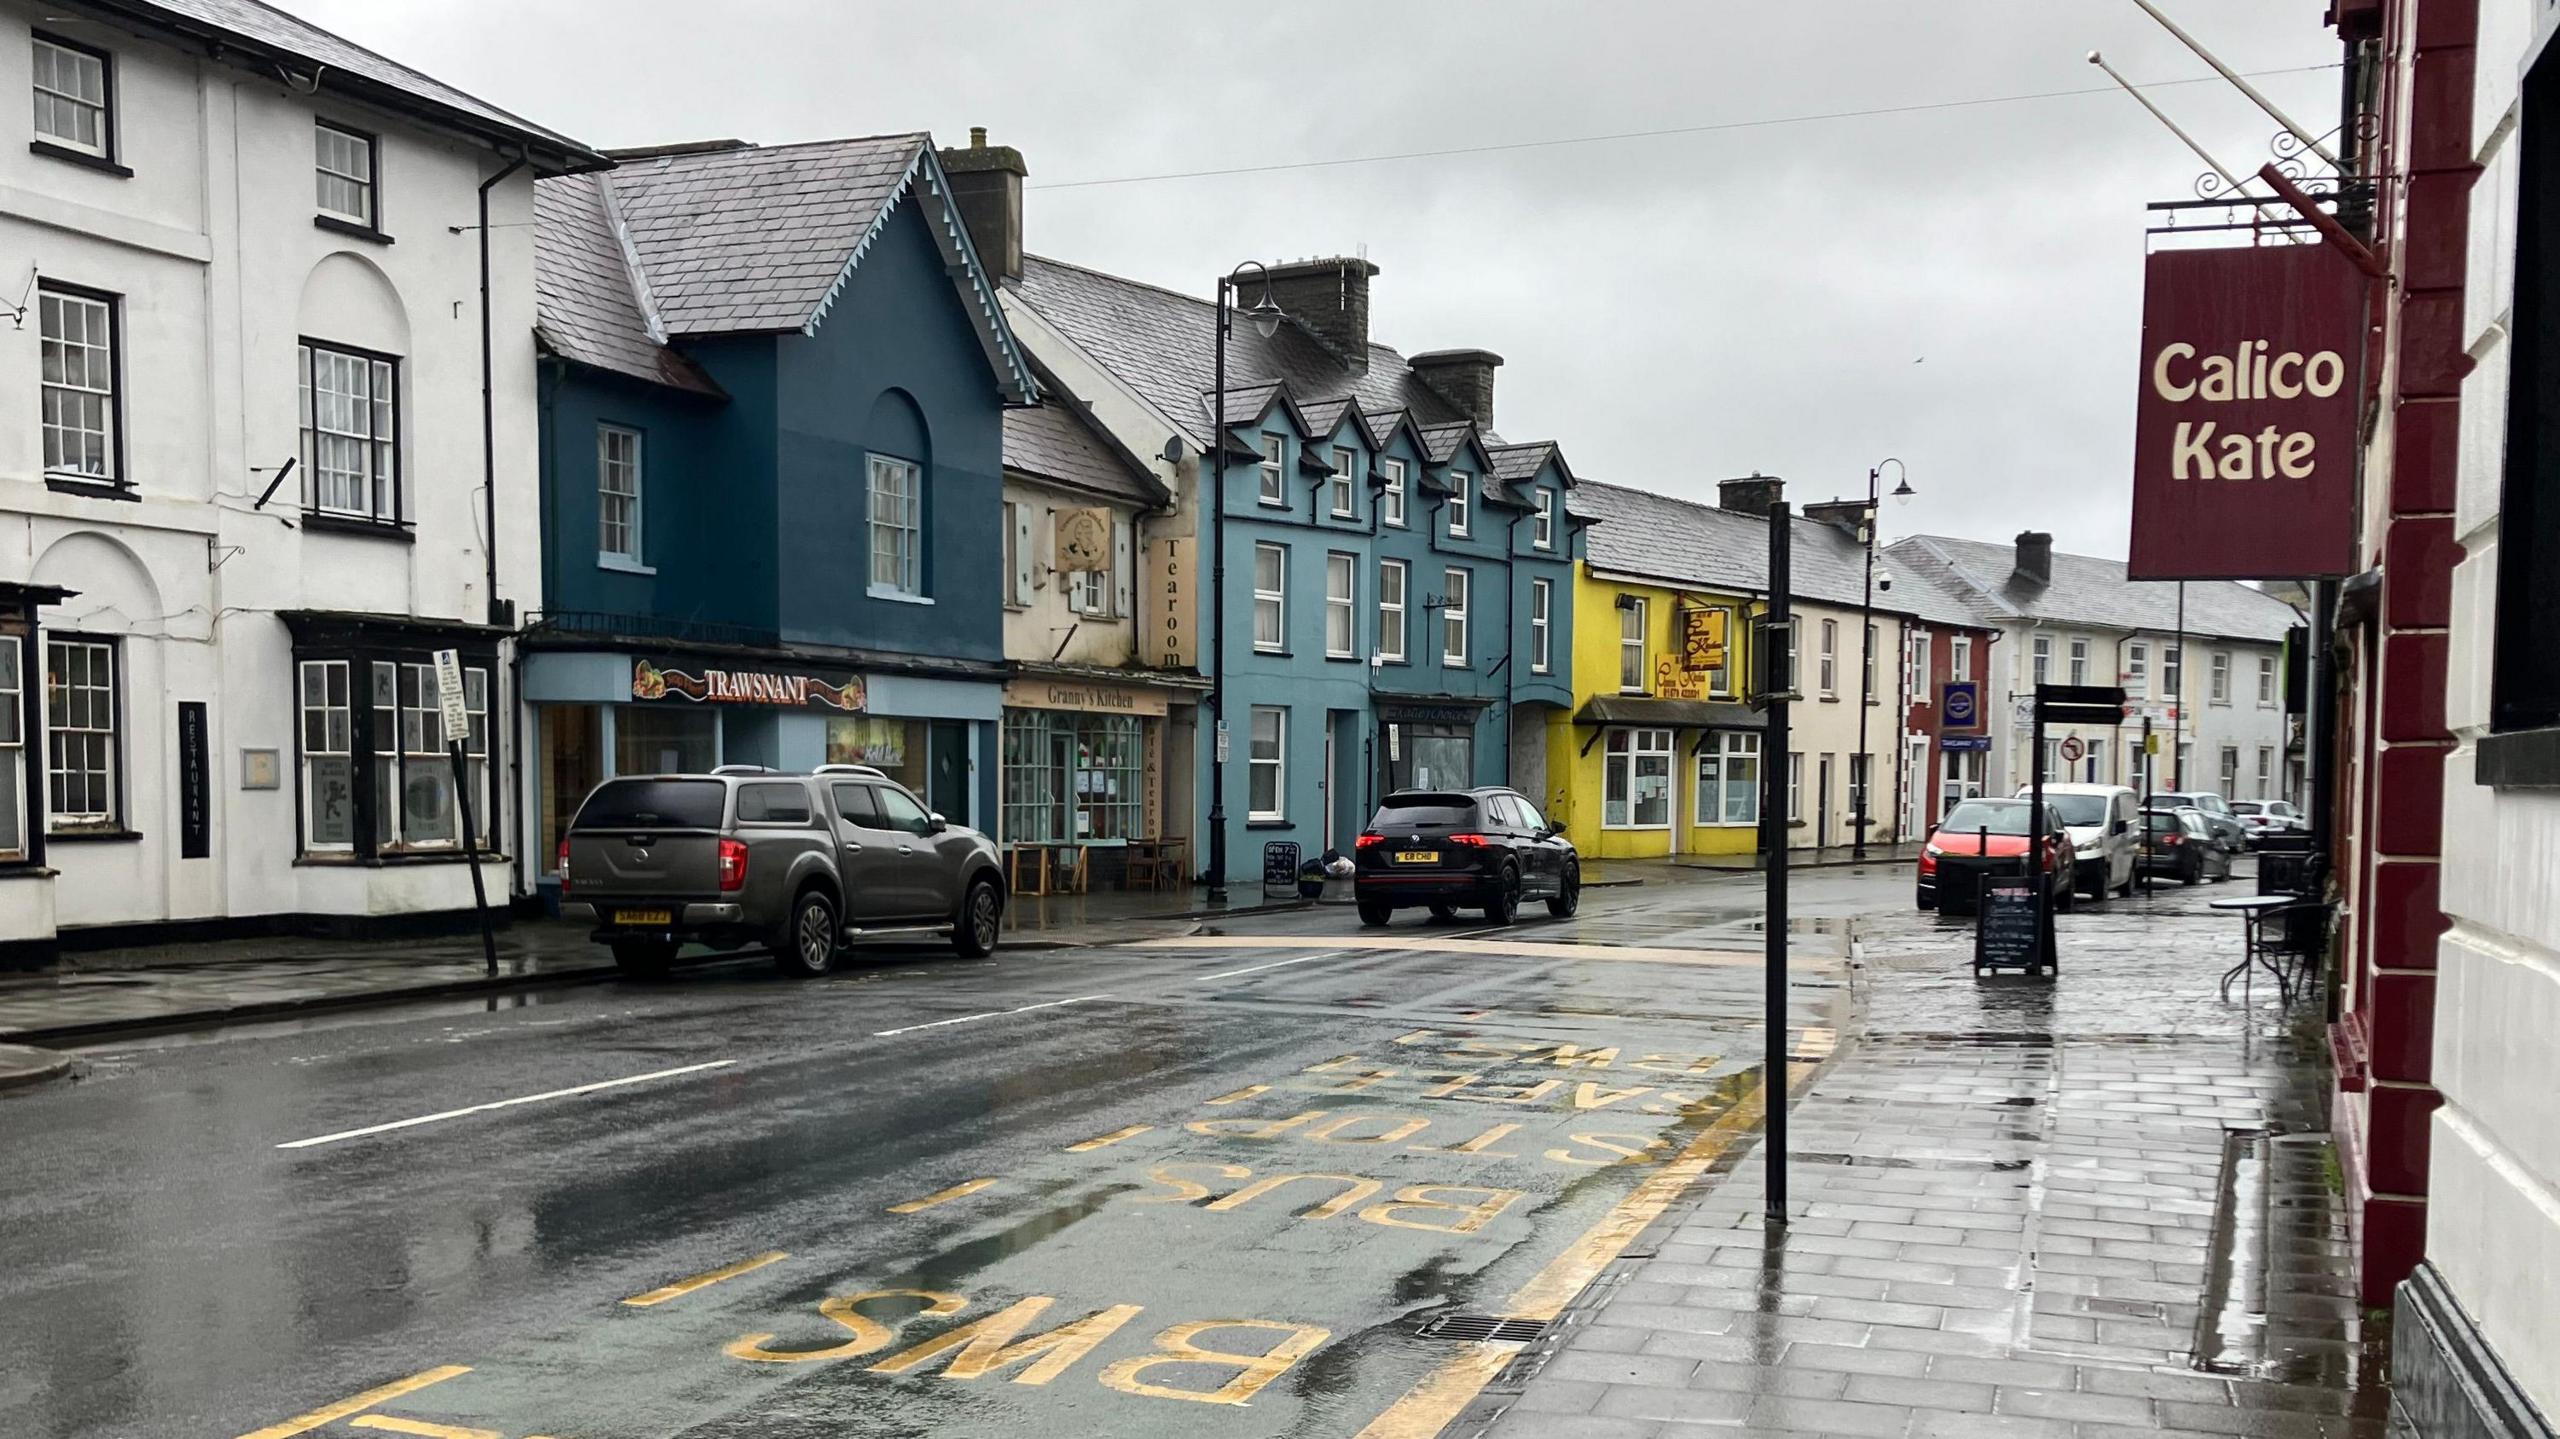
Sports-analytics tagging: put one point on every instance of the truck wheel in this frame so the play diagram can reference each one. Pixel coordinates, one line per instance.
(643, 958)
(806, 948)
(1375, 913)
(981, 920)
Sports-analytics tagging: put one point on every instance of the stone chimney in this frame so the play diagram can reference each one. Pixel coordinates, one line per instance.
(2035, 557)
(986, 183)
(1849, 517)
(1462, 377)
(1330, 297)
(1754, 495)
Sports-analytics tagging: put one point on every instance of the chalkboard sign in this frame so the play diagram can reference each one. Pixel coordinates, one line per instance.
(1280, 868)
(2005, 925)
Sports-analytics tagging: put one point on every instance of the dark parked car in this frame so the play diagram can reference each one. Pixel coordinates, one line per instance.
(803, 862)
(2227, 829)
(1477, 848)
(2180, 843)
(1986, 837)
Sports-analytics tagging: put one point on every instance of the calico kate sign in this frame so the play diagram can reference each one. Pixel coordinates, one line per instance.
(745, 687)
(2244, 444)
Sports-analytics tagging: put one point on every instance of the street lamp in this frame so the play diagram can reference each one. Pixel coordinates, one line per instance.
(1265, 317)
(1902, 493)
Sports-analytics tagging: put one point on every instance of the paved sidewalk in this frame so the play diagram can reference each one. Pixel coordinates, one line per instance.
(2076, 1210)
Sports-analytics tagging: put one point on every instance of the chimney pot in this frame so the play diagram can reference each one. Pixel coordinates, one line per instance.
(977, 137)
(1751, 495)
(2035, 557)
(986, 183)
(1331, 298)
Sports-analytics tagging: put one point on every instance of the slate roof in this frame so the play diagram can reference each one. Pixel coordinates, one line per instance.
(1162, 344)
(255, 27)
(737, 240)
(1685, 542)
(1055, 441)
(2090, 591)
(589, 306)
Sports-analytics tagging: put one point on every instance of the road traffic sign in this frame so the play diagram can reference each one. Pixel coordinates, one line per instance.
(2072, 749)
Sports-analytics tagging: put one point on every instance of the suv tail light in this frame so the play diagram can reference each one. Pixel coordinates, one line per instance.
(1366, 840)
(563, 866)
(733, 865)
(2173, 839)
(1471, 841)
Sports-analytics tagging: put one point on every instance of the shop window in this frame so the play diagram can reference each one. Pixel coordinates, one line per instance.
(13, 748)
(1070, 776)
(1267, 794)
(1635, 786)
(664, 739)
(1729, 779)
(328, 757)
(386, 757)
(898, 748)
(572, 766)
(1959, 778)
(81, 714)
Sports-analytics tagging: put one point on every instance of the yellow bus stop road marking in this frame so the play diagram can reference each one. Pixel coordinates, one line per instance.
(957, 1191)
(332, 1413)
(683, 1287)
(1426, 1409)
(1105, 1141)
(1518, 949)
(423, 1427)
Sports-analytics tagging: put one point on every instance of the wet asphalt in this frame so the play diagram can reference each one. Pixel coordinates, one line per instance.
(1090, 1145)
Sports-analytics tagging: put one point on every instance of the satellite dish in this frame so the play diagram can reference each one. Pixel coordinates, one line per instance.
(1173, 450)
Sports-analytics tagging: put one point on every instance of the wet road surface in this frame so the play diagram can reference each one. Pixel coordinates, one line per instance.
(1213, 1186)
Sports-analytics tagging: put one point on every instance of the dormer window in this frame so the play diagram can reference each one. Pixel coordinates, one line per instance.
(1344, 459)
(1275, 490)
(1462, 488)
(1542, 532)
(1391, 499)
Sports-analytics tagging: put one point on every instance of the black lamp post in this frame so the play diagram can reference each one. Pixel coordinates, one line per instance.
(1866, 762)
(1266, 318)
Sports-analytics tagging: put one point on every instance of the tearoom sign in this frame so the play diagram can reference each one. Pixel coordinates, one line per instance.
(2244, 448)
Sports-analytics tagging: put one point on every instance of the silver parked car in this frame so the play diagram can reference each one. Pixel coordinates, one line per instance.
(2227, 829)
(803, 862)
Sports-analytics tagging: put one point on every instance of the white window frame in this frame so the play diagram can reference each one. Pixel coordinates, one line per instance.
(13, 743)
(1624, 754)
(2137, 667)
(896, 508)
(326, 168)
(1636, 645)
(2079, 670)
(630, 554)
(1960, 777)
(1867, 668)
(1541, 619)
(1918, 677)
(1089, 592)
(335, 739)
(71, 438)
(1724, 749)
(1827, 662)
(350, 432)
(2230, 770)
(2040, 660)
(1462, 489)
(94, 728)
(2218, 678)
(1277, 762)
(1960, 658)
(48, 58)
(1542, 529)
(1346, 504)
(1272, 481)
(1860, 803)
(1391, 612)
(1795, 785)
(1272, 601)
(2266, 771)
(1341, 606)
(2173, 672)
(1391, 498)
(1457, 587)
(2266, 682)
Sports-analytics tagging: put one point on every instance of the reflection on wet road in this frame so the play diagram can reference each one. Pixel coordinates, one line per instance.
(1245, 1185)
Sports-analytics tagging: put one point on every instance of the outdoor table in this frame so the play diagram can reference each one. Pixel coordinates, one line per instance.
(2252, 910)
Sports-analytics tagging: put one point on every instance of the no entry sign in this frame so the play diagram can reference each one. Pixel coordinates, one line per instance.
(2244, 447)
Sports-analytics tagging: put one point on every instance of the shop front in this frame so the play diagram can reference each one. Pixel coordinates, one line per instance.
(1433, 743)
(1672, 776)
(1085, 764)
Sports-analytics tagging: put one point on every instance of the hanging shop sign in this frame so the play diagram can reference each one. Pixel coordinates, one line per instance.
(781, 690)
(1960, 704)
(2244, 445)
(1084, 540)
(1702, 637)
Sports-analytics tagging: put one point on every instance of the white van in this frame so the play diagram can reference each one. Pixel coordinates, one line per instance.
(2106, 835)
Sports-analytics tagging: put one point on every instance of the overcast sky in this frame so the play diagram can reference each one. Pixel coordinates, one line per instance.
(1959, 288)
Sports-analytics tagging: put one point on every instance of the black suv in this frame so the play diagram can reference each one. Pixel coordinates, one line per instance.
(1481, 848)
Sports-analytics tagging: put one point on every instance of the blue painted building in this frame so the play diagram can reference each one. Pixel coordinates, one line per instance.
(1399, 579)
(772, 405)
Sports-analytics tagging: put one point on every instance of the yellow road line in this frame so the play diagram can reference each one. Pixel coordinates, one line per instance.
(1516, 949)
(427, 1429)
(332, 1413)
(684, 1287)
(957, 1191)
(1429, 1406)
(1105, 1141)
(1248, 1092)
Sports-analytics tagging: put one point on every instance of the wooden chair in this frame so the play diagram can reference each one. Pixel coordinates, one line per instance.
(1033, 858)
(1072, 869)
(1156, 864)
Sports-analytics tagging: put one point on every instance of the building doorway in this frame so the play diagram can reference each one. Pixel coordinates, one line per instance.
(947, 769)
(1822, 803)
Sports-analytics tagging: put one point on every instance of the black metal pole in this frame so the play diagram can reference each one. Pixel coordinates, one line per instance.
(471, 859)
(2150, 782)
(1218, 734)
(2178, 703)
(1780, 682)
(1866, 765)
(2035, 830)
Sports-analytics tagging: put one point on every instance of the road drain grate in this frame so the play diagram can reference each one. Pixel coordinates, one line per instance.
(1472, 1327)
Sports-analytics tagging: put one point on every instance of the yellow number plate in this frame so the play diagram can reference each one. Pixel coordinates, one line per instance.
(643, 916)
(1417, 856)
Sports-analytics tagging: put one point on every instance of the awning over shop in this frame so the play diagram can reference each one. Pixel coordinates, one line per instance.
(1668, 714)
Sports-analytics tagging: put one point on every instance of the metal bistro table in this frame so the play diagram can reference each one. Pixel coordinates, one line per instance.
(2253, 909)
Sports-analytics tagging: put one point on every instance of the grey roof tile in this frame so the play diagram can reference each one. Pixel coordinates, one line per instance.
(2090, 591)
(588, 309)
(1054, 441)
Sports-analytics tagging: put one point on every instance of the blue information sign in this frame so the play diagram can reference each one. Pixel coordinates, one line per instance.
(1961, 705)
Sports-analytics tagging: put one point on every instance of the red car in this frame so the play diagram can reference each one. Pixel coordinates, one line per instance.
(1989, 836)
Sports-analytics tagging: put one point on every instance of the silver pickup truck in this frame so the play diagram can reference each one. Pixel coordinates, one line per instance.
(803, 862)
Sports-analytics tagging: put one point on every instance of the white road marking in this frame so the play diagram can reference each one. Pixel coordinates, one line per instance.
(1275, 964)
(506, 1104)
(990, 1014)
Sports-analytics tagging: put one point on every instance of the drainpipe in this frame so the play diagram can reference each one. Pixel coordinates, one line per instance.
(489, 541)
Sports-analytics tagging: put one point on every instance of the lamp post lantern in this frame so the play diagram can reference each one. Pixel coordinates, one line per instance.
(1865, 762)
(1266, 318)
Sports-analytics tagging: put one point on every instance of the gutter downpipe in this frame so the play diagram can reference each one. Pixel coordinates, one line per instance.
(516, 887)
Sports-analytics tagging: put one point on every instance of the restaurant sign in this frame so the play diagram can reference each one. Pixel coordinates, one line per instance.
(1077, 694)
(2244, 446)
(776, 688)
(1702, 637)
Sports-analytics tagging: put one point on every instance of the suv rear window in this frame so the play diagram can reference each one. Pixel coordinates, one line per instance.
(1413, 809)
(654, 804)
(772, 804)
